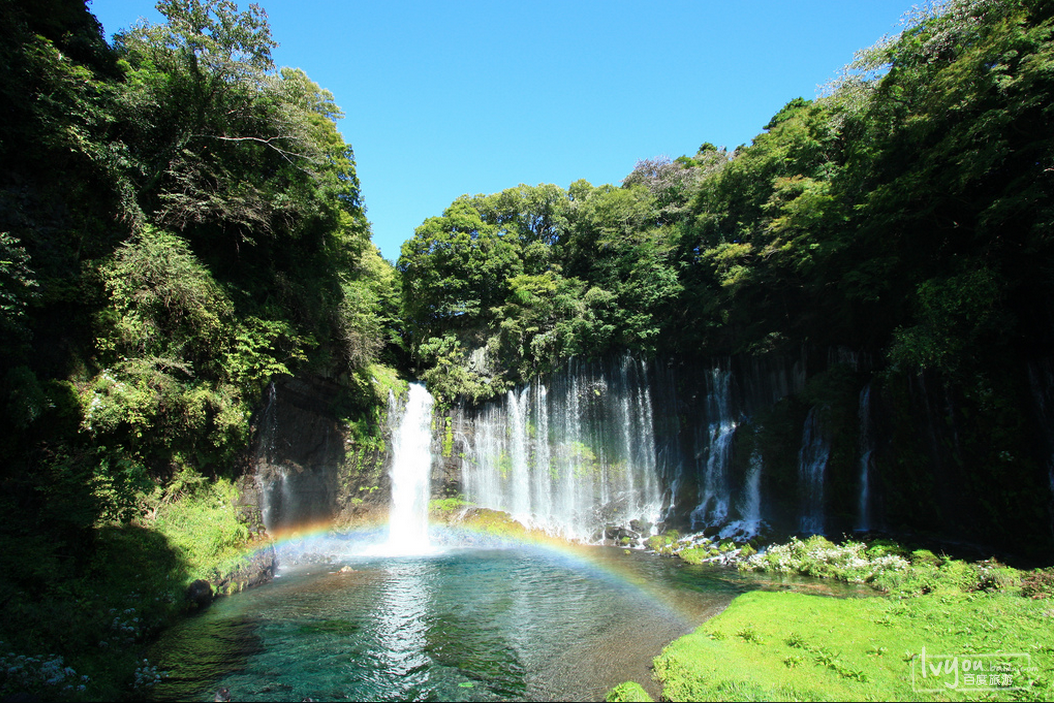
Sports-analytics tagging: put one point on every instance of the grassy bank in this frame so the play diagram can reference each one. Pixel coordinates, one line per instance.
(791, 646)
(937, 629)
(81, 634)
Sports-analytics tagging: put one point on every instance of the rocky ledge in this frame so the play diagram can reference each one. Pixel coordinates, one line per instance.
(256, 568)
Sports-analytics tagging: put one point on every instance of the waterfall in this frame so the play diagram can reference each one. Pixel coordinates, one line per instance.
(270, 508)
(411, 472)
(867, 448)
(749, 523)
(571, 455)
(812, 465)
(714, 492)
(751, 510)
(1041, 379)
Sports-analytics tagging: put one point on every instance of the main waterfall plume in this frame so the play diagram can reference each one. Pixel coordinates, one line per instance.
(411, 472)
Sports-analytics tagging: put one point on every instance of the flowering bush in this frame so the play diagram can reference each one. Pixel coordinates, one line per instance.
(147, 676)
(47, 676)
(818, 556)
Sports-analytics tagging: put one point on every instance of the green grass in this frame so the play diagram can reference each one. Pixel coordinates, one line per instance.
(792, 646)
(950, 614)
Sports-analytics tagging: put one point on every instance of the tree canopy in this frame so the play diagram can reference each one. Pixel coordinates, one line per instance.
(906, 210)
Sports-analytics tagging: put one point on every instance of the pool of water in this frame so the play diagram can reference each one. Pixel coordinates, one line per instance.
(475, 624)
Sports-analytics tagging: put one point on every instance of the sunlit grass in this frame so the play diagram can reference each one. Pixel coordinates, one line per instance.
(957, 618)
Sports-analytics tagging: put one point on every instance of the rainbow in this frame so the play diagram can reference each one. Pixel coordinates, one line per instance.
(618, 567)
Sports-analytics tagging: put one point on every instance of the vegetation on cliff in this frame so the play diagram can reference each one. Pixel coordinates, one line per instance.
(180, 222)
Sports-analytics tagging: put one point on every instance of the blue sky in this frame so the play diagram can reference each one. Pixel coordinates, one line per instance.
(447, 98)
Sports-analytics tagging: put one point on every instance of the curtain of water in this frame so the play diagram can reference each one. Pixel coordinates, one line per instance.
(267, 483)
(570, 455)
(749, 506)
(867, 448)
(812, 465)
(714, 493)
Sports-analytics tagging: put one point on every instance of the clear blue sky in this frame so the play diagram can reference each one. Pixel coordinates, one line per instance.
(447, 98)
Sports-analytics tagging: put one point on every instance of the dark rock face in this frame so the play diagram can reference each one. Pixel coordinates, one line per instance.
(299, 447)
(448, 450)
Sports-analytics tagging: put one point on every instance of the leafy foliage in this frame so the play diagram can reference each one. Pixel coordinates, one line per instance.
(180, 222)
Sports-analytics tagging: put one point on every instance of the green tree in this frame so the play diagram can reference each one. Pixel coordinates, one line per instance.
(454, 269)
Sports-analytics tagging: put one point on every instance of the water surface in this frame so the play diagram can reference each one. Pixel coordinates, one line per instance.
(465, 624)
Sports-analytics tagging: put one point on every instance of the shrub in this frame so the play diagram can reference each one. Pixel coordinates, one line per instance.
(1038, 583)
(818, 556)
(993, 576)
(201, 520)
(883, 548)
(627, 692)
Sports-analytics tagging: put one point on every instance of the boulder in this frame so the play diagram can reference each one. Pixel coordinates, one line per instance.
(199, 593)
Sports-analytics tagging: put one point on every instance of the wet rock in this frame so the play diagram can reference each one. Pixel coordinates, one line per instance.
(641, 526)
(619, 534)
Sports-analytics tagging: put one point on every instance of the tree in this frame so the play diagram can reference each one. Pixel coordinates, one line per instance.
(455, 268)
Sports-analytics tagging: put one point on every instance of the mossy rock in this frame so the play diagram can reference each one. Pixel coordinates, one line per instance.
(925, 556)
(447, 505)
(696, 555)
(659, 543)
